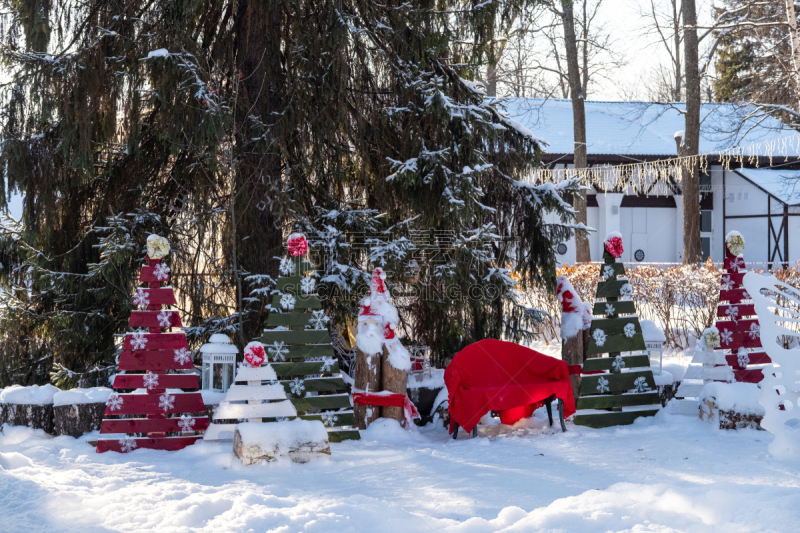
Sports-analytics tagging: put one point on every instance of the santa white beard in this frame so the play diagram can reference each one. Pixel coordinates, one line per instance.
(369, 338)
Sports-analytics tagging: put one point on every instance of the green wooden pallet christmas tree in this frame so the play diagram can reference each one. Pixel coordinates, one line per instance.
(626, 390)
(299, 348)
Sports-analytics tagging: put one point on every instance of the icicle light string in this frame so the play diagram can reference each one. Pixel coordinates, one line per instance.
(652, 177)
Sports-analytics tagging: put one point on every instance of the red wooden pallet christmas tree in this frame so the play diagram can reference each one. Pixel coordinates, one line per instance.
(739, 330)
(146, 358)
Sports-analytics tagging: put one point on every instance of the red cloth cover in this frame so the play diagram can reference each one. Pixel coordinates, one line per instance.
(388, 400)
(498, 375)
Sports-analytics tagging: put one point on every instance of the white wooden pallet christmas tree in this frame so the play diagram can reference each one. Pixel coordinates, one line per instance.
(627, 390)
(300, 349)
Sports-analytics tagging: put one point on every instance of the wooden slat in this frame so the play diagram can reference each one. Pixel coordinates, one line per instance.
(340, 435)
(595, 364)
(310, 336)
(625, 307)
(238, 411)
(304, 351)
(739, 340)
(147, 404)
(754, 375)
(248, 392)
(332, 401)
(619, 269)
(602, 420)
(609, 288)
(148, 425)
(303, 369)
(160, 296)
(739, 325)
(616, 382)
(345, 418)
(756, 358)
(615, 326)
(149, 319)
(292, 285)
(302, 302)
(623, 400)
(158, 341)
(615, 343)
(735, 278)
(288, 319)
(165, 381)
(164, 443)
(318, 384)
(147, 274)
(153, 360)
(743, 309)
(729, 263)
(733, 295)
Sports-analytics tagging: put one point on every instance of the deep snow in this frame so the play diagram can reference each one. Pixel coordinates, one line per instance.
(667, 474)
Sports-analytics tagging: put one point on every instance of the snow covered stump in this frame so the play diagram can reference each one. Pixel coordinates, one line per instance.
(733, 405)
(301, 440)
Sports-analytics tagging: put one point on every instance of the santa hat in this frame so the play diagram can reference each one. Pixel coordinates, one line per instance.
(377, 286)
(367, 313)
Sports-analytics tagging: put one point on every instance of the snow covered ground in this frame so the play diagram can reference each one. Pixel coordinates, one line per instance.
(667, 474)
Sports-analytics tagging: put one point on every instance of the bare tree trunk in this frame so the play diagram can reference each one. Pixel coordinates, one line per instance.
(368, 378)
(394, 380)
(676, 26)
(795, 40)
(690, 180)
(582, 253)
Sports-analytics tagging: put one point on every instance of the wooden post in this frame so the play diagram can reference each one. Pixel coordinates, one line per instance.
(394, 380)
(572, 354)
(368, 378)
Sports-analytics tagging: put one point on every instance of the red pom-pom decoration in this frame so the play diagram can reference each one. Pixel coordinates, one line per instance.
(297, 244)
(614, 244)
(388, 332)
(254, 354)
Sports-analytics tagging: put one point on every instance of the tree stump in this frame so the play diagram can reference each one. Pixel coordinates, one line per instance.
(393, 380)
(572, 354)
(368, 378)
(78, 419)
(32, 416)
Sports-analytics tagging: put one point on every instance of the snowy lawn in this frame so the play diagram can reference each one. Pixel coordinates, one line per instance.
(666, 474)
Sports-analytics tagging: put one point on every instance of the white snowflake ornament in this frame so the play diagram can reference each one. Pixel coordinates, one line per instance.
(164, 319)
(732, 312)
(286, 267)
(166, 401)
(640, 384)
(141, 298)
(608, 272)
(150, 380)
(114, 402)
(138, 340)
(743, 358)
(626, 290)
(297, 386)
(161, 272)
(755, 331)
(726, 337)
(727, 283)
(618, 364)
(610, 310)
(329, 419)
(127, 444)
(308, 284)
(182, 356)
(288, 301)
(186, 424)
(318, 320)
(629, 330)
(602, 385)
(327, 363)
(278, 351)
(599, 337)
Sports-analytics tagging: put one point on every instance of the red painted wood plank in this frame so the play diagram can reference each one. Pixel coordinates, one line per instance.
(164, 381)
(148, 404)
(153, 360)
(743, 310)
(149, 425)
(734, 264)
(155, 341)
(733, 295)
(148, 274)
(739, 325)
(738, 340)
(735, 278)
(164, 296)
(756, 358)
(149, 319)
(164, 443)
(749, 376)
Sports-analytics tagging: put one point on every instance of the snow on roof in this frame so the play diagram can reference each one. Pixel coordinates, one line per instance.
(782, 184)
(642, 128)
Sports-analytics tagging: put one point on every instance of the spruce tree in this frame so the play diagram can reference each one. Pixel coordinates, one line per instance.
(221, 124)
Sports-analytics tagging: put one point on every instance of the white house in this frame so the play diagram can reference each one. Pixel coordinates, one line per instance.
(761, 200)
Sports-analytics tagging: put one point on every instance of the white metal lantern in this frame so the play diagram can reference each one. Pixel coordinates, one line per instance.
(219, 361)
(655, 351)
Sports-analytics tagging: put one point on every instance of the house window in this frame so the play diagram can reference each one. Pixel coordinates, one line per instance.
(705, 247)
(705, 221)
(705, 182)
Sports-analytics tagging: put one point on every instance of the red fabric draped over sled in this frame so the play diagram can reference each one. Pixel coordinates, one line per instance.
(497, 375)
